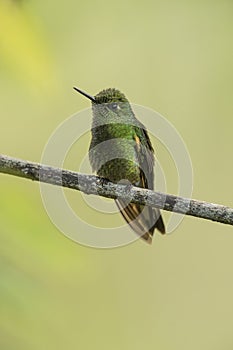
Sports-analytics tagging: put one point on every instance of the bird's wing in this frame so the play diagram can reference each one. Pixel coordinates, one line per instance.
(143, 219)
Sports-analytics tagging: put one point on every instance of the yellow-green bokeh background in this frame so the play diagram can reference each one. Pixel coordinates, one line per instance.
(172, 56)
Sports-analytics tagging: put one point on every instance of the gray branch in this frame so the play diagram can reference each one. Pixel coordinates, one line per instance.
(91, 184)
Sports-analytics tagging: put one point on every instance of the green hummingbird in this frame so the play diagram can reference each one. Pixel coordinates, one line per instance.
(121, 151)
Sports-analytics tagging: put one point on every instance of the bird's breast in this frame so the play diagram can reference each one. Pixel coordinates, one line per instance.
(113, 154)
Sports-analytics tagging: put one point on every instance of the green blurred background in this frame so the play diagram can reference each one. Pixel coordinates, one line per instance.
(174, 57)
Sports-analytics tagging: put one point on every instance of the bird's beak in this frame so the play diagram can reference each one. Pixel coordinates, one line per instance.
(92, 98)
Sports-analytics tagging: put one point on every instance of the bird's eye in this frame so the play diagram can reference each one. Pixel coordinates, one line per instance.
(114, 106)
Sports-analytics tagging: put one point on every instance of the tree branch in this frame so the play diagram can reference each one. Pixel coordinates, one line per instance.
(91, 184)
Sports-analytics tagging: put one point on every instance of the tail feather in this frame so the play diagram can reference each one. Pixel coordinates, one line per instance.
(142, 219)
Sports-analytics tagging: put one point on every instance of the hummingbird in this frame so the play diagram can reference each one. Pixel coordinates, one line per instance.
(121, 151)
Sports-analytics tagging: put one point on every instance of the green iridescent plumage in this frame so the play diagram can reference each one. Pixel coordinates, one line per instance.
(121, 151)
